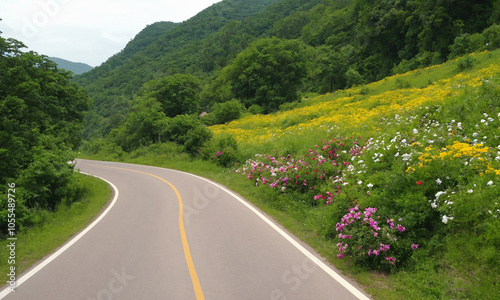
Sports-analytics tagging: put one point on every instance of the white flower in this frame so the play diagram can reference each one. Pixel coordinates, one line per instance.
(434, 205)
(446, 218)
(369, 185)
(438, 181)
(396, 155)
(470, 191)
(489, 183)
(439, 194)
(415, 131)
(360, 182)
(474, 134)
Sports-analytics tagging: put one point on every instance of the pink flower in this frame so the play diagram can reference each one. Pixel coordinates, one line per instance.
(340, 256)
(384, 247)
(401, 228)
(414, 246)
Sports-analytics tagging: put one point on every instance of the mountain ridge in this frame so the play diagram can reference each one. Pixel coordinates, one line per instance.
(76, 67)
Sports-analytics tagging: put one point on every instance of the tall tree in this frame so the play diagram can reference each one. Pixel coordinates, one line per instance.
(41, 121)
(268, 73)
(178, 94)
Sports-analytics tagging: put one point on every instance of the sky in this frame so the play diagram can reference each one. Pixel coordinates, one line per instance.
(87, 31)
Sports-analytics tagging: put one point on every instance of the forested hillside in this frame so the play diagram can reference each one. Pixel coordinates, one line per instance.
(161, 49)
(338, 44)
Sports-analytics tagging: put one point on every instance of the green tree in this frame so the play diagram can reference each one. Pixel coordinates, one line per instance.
(143, 126)
(41, 122)
(178, 94)
(225, 112)
(268, 73)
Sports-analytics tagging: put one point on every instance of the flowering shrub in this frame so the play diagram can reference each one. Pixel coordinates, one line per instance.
(368, 239)
(223, 150)
(320, 172)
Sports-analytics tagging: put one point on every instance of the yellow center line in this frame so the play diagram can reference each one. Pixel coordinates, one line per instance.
(192, 271)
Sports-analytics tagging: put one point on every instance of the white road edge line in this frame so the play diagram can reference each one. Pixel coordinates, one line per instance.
(306, 252)
(33, 271)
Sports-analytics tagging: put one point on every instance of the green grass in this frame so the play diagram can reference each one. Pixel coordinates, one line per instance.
(57, 227)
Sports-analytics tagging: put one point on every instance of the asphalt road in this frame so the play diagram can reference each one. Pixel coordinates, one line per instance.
(172, 235)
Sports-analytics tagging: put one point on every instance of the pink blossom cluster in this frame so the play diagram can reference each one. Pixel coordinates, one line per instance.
(323, 166)
(367, 217)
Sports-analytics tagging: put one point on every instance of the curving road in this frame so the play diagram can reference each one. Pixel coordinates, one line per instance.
(172, 235)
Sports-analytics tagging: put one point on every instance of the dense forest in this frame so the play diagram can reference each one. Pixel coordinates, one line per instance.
(321, 46)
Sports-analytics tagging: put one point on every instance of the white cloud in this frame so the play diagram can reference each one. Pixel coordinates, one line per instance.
(88, 31)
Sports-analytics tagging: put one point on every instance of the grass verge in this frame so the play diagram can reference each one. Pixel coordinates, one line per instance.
(57, 227)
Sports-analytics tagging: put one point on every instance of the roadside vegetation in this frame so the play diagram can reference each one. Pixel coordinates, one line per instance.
(49, 230)
(43, 202)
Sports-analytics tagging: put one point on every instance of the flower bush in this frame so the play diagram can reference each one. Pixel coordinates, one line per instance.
(369, 240)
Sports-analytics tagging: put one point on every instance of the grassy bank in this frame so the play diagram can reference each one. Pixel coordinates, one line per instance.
(53, 229)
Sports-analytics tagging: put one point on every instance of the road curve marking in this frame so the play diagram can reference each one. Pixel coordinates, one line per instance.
(334, 275)
(192, 271)
(40, 266)
(353, 290)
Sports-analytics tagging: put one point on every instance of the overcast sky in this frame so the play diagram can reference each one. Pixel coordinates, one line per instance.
(88, 31)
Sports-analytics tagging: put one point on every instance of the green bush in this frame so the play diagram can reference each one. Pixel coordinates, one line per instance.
(492, 37)
(223, 150)
(177, 128)
(466, 63)
(224, 112)
(47, 178)
(196, 138)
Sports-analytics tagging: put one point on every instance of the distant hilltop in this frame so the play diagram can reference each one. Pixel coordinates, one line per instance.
(76, 68)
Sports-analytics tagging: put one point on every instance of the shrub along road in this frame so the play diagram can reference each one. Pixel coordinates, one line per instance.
(172, 235)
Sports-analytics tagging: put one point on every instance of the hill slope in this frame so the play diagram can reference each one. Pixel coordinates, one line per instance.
(76, 68)
(345, 43)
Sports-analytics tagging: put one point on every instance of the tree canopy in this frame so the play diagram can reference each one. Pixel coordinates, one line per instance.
(41, 122)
